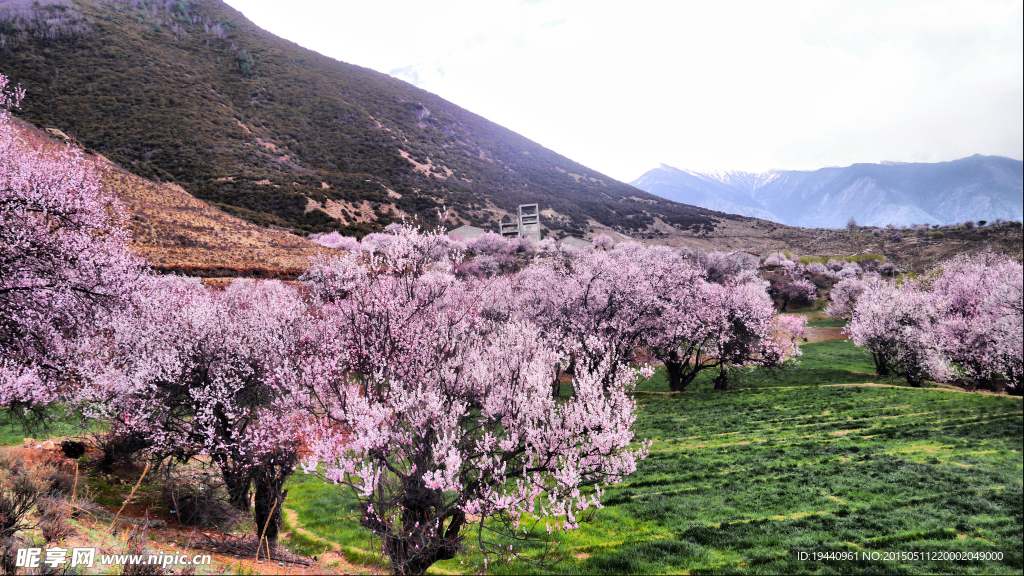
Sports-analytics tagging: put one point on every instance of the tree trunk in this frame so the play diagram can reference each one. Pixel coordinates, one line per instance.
(722, 381)
(412, 553)
(238, 483)
(678, 377)
(556, 386)
(267, 513)
(270, 495)
(675, 376)
(881, 368)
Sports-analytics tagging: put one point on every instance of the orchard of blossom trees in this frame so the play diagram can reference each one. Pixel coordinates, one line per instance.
(421, 374)
(964, 319)
(417, 371)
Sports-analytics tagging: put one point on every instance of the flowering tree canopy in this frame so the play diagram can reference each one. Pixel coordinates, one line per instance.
(603, 242)
(982, 318)
(965, 317)
(336, 241)
(653, 297)
(715, 326)
(435, 410)
(592, 304)
(819, 269)
(899, 326)
(792, 287)
(194, 372)
(63, 260)
(844, 294)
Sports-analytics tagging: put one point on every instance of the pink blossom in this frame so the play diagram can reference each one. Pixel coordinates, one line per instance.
(64, 262)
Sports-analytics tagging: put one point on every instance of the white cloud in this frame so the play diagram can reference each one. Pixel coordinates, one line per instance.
(717, 85)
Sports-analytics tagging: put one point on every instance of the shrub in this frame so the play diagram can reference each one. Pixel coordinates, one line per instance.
(136, 546)
(199, 500)
(819, 269)
(53, 519)
(245, 62)
(118, 449)
(73, 449)
(22, 488)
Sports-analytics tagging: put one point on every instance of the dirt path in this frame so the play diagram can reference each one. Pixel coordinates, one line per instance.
(824, 334)
(334, 559)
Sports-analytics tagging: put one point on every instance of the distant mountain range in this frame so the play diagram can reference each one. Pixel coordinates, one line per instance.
(974, 188)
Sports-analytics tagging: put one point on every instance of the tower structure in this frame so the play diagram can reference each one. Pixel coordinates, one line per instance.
(529, 221)
(527, 224)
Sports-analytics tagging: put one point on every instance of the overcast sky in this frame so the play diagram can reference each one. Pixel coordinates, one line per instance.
(623, 86)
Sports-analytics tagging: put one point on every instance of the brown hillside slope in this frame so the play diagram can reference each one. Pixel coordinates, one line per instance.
(174, 231)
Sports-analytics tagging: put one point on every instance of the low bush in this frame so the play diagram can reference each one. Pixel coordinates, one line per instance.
(117, 450)
(199, 500)
(53, 519)
(136, 546)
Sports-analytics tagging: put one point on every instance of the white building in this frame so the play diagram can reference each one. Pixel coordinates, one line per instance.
(466, 232)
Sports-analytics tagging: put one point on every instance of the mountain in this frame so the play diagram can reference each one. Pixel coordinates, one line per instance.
(974, 188)
(724, 191)
(192, 93)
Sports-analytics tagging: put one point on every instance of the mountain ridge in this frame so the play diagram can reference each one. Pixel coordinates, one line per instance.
(977, 187)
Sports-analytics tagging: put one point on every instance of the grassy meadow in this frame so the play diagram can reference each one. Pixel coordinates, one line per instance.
(822, 458)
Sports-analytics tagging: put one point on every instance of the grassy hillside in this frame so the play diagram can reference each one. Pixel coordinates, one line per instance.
(191, 92)
(825, 459)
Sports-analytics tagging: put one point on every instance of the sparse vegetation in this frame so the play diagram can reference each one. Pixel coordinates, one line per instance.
(858, 258)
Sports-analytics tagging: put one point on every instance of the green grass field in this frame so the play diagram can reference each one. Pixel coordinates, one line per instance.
(807, 461)
(56, 422)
